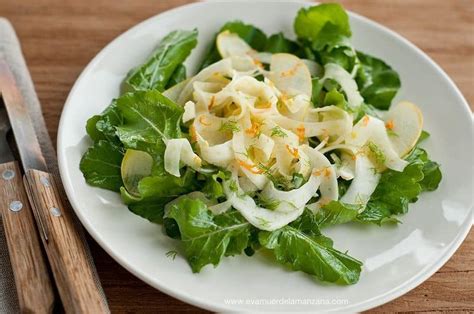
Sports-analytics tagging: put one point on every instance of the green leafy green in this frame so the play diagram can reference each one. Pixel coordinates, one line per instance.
(102, 127)
(156, 72)
(345, 56)
(207, 238)
(397, 189)
(316, 95)
(178, 76)
(377, 82)
(212, 187)
(335, 213)
(278, 43)
(100, 165)
(251, 34)
(431, 172)
(325, 31)
(377, 213)
(149, 208)
(168, 185)
(336, 98)
(156, 191)
(423, 136)
(324, 25)
(301, 247)
(149, 118)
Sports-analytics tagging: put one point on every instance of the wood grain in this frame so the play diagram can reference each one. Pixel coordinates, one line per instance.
(67, 254)
(34, 288)
(59, 38)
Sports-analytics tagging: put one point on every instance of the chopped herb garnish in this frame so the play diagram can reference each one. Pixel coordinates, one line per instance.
(267, 203)
(171, 254)
(278, 132)
(377, 153)
(230, 126)
(392, 133)
(233, 186)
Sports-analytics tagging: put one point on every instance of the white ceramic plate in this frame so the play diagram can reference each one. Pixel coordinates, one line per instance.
(396, 259)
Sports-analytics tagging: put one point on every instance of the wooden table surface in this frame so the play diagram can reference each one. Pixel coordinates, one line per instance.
(59, 38)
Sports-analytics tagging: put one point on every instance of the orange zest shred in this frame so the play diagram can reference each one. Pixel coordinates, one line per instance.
(317, 172)
(252, 168)
(257, 63)
(293, 151)
(327, 171)
(365, 120)
(203, 121)
(300, 131)
(212, 102)
(390, 125)
(254, 130)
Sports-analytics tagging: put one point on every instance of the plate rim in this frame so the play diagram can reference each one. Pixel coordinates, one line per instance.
(388, 296)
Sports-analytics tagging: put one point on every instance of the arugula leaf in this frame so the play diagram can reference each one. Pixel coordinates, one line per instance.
(345, 56)
(336, 98)
(207, 238)
(160, 66)
(168, 185)
(323, 25)
(378, 82)
(102, 127)
(423, 136)
(397, 189)
(308, 223)
(100, 165)
(151, 208)
(365, 109)
(335, 213)
(212, 187)
(300, 247)
(325, 28)
(377, 213)
(156, 191)
(278, 43)
(149, 118)
(178, 76)
(251, 34)
(431, 173)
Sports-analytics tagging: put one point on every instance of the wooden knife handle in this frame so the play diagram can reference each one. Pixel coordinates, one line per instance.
(66, 252)
(34, 288)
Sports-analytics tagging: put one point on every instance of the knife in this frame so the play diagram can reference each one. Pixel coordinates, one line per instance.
(33, 286)
(66, 251)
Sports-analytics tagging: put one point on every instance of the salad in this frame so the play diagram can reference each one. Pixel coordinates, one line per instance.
(270, 142)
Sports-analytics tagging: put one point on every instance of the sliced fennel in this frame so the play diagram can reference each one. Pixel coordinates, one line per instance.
(342, 77)
(260, 130)
(365, 181)
(178, 150)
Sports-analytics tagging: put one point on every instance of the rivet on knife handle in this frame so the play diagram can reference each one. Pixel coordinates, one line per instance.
(34, 289)
(66, 252)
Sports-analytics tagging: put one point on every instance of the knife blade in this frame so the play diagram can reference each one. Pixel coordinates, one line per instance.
(66, 252)
(32, 282)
